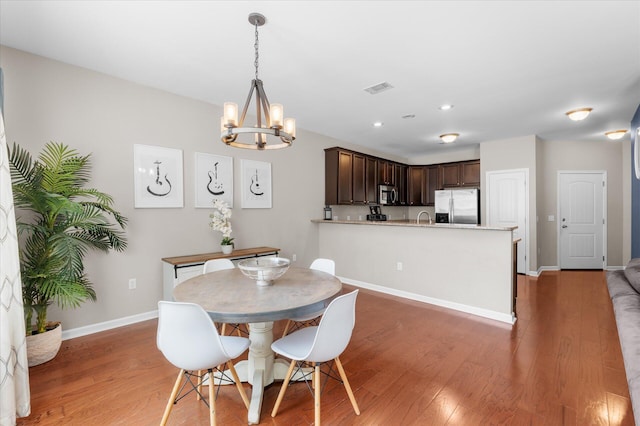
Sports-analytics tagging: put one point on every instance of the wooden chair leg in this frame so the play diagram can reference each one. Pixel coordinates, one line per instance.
(234, 374)
(200, 380)
(238, 331)
(317, 395)
(343, 376)
(286, 328)
(212, 400)
(172, 399)
(283, 389)
(223, 329)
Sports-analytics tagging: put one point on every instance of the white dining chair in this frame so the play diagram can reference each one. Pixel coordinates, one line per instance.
(214, 265)
(189, 340)
(320, 344)
(320, 264)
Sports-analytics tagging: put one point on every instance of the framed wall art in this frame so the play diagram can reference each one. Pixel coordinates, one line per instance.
(256, 184)
(157, 174)
(214, 179)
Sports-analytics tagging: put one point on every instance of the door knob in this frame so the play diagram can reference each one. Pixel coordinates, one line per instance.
(564, 226)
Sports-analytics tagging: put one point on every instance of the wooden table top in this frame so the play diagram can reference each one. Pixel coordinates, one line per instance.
(229, 296)
(201, 258)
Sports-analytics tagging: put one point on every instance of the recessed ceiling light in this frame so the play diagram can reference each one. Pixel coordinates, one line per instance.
(578, 114)
(445, 107)
(409, 116)
(449, 137)
(616, 134)
(378, 124)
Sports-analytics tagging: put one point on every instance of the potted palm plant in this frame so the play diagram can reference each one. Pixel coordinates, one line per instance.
(61, 221)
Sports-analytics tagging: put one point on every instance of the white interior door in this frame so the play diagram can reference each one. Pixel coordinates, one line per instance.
(507, 203)
(581, 220)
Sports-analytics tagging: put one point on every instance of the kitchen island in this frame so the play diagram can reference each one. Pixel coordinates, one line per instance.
(468, 268)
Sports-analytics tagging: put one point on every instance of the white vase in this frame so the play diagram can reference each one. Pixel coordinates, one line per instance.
(227, 249)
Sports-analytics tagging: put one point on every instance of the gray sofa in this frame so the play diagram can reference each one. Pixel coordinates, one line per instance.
(624, 289)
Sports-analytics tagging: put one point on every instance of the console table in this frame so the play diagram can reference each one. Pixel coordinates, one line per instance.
(180, 268)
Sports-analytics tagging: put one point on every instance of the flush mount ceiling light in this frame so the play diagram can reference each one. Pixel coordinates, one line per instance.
(449, 137)
(272, 130)
(578, 114)
(378, 124)
(616, 134)
(445, 107)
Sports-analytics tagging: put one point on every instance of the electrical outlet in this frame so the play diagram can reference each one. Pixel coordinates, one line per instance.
(348, 217)
(293, 257)
(399, 266)
(132, 283)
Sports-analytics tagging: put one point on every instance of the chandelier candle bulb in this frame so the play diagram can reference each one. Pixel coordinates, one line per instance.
(277, 113)
(290, 126)
(231, 113)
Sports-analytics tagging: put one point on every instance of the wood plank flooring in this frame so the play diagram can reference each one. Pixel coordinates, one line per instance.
(408, 363)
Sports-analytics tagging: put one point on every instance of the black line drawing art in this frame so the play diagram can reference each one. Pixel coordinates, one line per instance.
(159, 187)
(215, 186)
(255, 185)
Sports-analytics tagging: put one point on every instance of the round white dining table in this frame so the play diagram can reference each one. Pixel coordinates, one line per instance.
(231, 297)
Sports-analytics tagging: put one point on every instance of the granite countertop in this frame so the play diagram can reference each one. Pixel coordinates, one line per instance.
(412, 223)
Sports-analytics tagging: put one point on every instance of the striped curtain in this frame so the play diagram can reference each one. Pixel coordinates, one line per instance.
(14, 371)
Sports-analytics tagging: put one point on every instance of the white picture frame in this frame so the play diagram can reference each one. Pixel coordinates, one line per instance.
(256, 191)
(213, 179)
(158, 179)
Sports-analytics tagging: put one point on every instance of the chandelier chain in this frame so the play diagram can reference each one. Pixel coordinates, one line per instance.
(255, 45)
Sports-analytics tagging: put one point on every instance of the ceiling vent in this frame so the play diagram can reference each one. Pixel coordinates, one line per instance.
(377, 88)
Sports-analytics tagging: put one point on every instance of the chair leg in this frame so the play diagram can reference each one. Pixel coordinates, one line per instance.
(238, 331)
(318, 389)
(200, 380)
(212, 400)
(283, 389)
(234, 373)
(347, 386)
(286, 328)
(223, 329)
(172, 399)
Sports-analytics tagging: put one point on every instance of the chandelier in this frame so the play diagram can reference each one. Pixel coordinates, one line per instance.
(271, 131)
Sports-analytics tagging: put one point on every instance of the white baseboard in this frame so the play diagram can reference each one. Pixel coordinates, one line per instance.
(533, 273)
(547, 268)
(107, 325)
(614, 268)
(485, 313)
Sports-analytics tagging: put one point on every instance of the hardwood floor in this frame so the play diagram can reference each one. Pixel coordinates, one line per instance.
(408, 363)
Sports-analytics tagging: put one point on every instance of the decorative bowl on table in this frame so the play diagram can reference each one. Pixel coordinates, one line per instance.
(265, 270)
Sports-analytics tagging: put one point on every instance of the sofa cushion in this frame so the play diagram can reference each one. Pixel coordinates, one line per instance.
(632, 272)
(619, 286)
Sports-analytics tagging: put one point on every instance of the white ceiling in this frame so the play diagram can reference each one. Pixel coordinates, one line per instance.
(510, 68)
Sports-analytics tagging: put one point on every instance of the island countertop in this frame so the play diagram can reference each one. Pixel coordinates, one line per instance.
(412, 223)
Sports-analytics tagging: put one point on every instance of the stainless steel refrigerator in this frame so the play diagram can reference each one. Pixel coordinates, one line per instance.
(458, 206)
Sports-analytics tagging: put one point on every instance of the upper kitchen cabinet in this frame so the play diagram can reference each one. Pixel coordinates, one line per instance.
(417, 186)
(400, 173)
(423, 182)
(371, 180)
(350, 177)
(386, 175)
(460, 174)
(470, 173)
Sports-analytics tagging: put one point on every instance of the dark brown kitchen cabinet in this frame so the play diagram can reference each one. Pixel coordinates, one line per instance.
(431, 179)
(400, 173)
(359, 195)
(350, 177)
(385, 172)
(449, 175)
(371, 180)
(470, 173)
(460, 174)
(416, 186)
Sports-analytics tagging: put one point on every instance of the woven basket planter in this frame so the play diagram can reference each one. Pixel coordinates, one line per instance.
(43, 347)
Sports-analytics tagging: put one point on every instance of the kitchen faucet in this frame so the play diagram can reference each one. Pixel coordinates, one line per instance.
(420, 213)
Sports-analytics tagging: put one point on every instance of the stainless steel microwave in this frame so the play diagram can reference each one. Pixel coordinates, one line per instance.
(387, 195)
